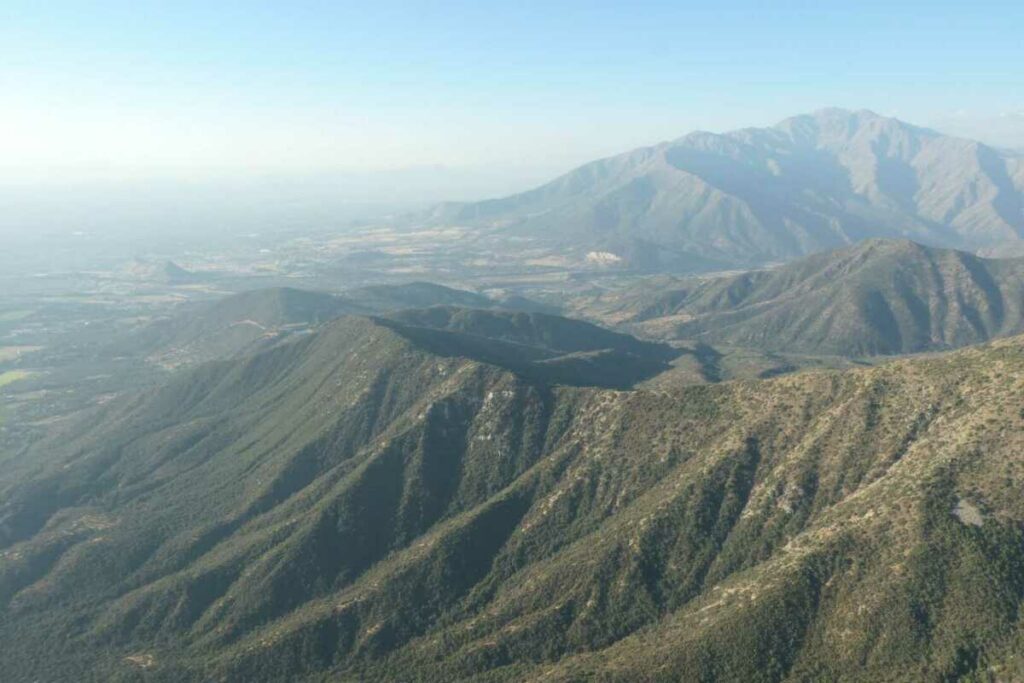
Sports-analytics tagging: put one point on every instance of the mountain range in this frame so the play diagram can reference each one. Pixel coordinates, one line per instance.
(383, 500)
(876, 297)
(758, 195)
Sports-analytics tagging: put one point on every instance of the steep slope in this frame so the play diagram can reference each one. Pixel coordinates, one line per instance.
(877, 297)
(353, 506)
(812, 182)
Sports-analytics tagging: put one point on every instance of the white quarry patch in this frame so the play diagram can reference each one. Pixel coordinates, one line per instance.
(968, 513)
(603, 258)
(251, 323)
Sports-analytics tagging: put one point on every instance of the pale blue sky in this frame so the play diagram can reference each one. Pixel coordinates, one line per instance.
(107, 86)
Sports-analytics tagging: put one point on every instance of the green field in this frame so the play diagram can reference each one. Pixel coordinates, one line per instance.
(13, 316)
(12, 376)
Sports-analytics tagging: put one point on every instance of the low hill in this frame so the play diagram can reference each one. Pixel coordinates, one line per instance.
(236, 324)
(877, 297)
(166, 272)
(251, 320)
(355, 504)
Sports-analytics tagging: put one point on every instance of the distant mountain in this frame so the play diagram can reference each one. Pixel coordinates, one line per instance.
(878, 297)
(756, 195)
(369, 503)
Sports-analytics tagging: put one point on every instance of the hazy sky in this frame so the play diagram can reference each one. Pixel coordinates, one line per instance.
(112, 87)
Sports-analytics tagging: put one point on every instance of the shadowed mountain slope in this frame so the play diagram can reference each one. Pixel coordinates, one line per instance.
(532, 329)
(379, 298)
(758, 195)
(548, 348)
(355, 505)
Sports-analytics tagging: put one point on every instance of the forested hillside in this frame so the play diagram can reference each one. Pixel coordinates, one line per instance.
(357, 505)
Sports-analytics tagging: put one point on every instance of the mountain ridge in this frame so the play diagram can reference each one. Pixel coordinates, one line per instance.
(757, 195)
(351, 506)
(876, 297)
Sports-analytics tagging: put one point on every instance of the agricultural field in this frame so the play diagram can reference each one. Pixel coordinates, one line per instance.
(12, 376)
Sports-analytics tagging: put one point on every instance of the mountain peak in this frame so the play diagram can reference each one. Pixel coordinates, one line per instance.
(836, 115)
(841, 112)
(834, 124)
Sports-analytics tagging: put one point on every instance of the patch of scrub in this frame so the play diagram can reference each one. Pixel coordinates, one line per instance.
(968, 513)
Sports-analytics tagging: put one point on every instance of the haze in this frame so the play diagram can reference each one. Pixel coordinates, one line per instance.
(517, 91)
